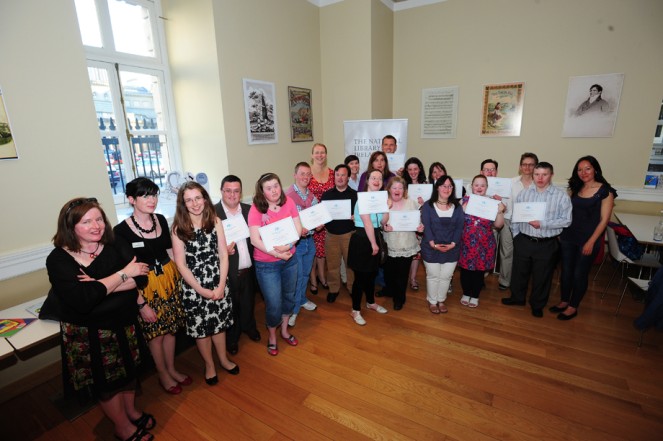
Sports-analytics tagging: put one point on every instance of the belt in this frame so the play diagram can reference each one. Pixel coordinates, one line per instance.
(243, 271)
(538, 239)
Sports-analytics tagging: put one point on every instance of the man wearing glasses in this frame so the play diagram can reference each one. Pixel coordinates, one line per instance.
(241, 276)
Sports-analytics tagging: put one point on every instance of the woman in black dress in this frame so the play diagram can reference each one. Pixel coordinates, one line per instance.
(161, 313)
(92, 278)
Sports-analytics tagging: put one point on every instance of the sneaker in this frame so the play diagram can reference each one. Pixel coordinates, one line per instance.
(356, 315)
(465, 300)
(292, 320)
(502, 287)
(309, 306)
(377, 308)
(474, 302)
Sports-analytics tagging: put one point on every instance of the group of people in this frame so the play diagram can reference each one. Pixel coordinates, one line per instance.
(125, 290)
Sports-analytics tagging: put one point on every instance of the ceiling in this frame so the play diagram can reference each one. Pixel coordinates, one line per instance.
(394, 5)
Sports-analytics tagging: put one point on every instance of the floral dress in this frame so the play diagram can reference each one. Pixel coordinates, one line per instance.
(477, 251)
(205, 317)
(318, 188)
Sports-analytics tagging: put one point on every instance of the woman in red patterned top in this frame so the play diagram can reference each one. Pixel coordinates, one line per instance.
(322, 180)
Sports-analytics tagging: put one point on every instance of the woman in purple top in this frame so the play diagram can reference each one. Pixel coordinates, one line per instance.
(377, 161)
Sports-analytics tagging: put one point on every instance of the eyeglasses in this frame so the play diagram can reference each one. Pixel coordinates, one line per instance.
(447, 187)
(527, 164)
(79, 202)
(192, 200)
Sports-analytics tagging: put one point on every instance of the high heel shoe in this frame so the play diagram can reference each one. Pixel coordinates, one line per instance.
(323, 284)
(233, 371)
(174, 390)
(314, 289)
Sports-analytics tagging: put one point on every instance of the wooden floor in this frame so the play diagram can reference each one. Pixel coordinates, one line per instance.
(491, 373)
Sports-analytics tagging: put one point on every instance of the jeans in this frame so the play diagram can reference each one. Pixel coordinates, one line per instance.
(278, 281)
(575, 271)
(305, 254)
(438, 277)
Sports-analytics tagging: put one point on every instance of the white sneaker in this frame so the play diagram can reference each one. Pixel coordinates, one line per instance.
(292, 320)
(376, 307)
(309, 306)
(356, 315)
(465, 300)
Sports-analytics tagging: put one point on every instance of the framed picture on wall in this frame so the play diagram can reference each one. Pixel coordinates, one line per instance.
(502, 109)
(301, 115)
(260, 108)
(592, 104)
(7, 145)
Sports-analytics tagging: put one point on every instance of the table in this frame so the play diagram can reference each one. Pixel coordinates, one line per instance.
(5, 349)
(34, 333)
(641, 225)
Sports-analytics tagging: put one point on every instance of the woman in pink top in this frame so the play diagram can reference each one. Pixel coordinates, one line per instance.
(276, 269)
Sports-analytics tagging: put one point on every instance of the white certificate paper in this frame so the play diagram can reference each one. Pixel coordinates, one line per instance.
(481, 206)
(372, 202)
(396, 161)
(528, 211)
(235, 229)
(278, 233)
(340, 209)
(499, 186)
(459, 188)
(405, 220)
(424, 191)
(314, 216)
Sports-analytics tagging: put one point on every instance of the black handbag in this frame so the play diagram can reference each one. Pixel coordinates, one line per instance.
(383, 249)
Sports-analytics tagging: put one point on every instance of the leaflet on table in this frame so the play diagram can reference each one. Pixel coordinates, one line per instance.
(281, 232)
(499, 186)
(34, 309)
(482, 206)
(372, 202)
(528, 211)
(396, 161)
(405, 220)
(340, 209)
(423, 191)
(315, 216)
(459, 188)
(10, 326)
(235, 229)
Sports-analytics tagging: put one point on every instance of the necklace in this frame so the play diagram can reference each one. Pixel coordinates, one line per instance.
(442, 204)
(142, 230)
(93, 254)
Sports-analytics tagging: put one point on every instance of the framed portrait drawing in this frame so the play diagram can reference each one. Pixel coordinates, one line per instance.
(502, 109)
(592, 104)
(7, 145)
(260, 108)
(301, 115)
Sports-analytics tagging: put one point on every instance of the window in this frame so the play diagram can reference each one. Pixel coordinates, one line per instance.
(130, 87)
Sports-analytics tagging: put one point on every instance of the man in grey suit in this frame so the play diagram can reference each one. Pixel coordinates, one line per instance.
(241, 275)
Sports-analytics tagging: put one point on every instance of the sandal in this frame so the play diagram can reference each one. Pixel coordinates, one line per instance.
(465, 300)
(292, 341)
(414, 285)
(474, 302)
(138, 435)
(314, 289)
(146, 422)
(434, 308)
(272, 349)
(443, 308)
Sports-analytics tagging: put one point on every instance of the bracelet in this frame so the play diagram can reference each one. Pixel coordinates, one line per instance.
(141, 305)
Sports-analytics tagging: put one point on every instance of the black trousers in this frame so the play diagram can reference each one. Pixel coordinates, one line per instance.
(244, 300)
(396, 274)
(364, 283)
(471, 281)
(536, 260)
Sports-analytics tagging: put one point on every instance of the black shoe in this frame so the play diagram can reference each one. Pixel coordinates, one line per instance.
(233, 371)
(233, 348)
(324, 285)
(314, 290)
(510, 301)
(565, 317)
(557, 309)
(398, 306)
(253, 334)
(331, 297)
(382, 293)
(538, 313)
(212, 381)
(503, 287)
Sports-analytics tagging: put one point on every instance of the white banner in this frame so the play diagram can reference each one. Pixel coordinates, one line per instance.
(363, 137)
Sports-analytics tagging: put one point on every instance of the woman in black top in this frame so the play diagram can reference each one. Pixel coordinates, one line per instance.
(92, 278)
(161, 311)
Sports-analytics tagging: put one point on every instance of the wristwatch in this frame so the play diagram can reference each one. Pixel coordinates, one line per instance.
(123, 276)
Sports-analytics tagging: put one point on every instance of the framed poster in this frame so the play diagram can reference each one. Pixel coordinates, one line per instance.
(502, 109)
(439, 111)
(7, 145)
(592, 104)
(301, 115)
(260, 107)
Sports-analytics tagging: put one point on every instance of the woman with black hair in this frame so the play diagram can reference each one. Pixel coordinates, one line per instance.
(593, 199)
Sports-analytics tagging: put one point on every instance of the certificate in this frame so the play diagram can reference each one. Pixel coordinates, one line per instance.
(499, 186)
(339, 209)
(528, 211)
(235, 229)
(396, 161)
(372, 202)
(314, 216)
(481, 206)
(459, 188)
(405, 220)
(280, 232)
(423, 191)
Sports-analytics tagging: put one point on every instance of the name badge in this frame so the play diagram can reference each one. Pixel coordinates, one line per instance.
(138, 244)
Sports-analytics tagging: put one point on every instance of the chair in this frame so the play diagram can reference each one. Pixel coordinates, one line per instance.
(641, 284)
(646, 261)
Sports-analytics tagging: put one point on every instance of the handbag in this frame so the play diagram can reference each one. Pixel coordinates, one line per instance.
(383, 249)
